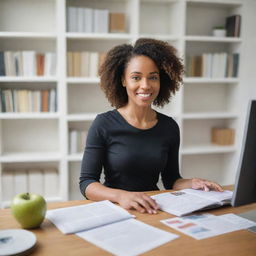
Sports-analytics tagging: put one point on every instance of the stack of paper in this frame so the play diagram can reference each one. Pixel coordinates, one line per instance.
(110, 227)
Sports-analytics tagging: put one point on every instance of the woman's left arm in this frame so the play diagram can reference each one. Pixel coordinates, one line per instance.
(197, 183)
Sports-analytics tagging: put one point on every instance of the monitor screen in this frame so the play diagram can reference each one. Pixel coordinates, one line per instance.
(245, 185)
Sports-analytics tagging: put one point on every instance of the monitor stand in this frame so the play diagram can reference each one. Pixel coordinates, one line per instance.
(250, 215)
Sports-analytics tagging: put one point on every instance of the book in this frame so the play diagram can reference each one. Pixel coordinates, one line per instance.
(94, 64)
(51, 184)
(77, 64)
(8, 184)
(116, 22)
(73, 141)
(29, 63)
(39, 64)
(35, 181)
(109, 227)
(80, 19)
(233, 25)
(45, 100)
(72, 19)
(88, 20)
(70, 69)
(223, 136)
(235, 64)
(20, 183)
(101, 21)
(49, 64)
(85, 63)
(2, 65)
(17, 58)
(186, 201)
(22, 100)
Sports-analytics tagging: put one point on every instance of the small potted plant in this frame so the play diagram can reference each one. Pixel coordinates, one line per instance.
(219, 31)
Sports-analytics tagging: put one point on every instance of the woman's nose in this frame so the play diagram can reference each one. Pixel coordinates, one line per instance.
(145, 83)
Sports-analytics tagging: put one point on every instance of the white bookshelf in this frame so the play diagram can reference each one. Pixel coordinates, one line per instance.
(42, 139)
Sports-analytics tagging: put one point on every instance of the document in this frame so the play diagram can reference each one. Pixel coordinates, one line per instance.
(110, 227)
(208, 225)
(187, 201)
(127, 238)
(84, 217)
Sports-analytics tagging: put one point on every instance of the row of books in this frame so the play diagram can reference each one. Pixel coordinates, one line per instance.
(214, 65)
(77, 141)
(39, 181)
(88, 20)
(84, 64)
(27, 63)
(23, 100)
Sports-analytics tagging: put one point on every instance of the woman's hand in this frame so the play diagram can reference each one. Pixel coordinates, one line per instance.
(138, 201)
(205, 185)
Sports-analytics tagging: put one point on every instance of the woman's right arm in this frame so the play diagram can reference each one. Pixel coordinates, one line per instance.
(128, 200)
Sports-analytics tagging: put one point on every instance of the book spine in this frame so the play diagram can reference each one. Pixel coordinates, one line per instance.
(45, 100)
(116, 22)
(51, 182)
(2, 65)
(72, 19)
(20, 181)
(88, 20)
(8, 184)
(35, 181)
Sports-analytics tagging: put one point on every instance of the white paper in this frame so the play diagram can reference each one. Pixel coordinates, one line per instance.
(239, 221)
(84, 217)
(208, 225)
(127, 238)
(211, 195)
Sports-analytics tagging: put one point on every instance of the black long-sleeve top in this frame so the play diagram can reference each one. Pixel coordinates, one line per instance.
(132, 158)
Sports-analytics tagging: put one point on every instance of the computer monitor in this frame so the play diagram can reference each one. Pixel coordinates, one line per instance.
(245, 185)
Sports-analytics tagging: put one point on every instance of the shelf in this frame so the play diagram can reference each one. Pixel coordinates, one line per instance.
(198, 80)
(29, 115)
(81, 117)
(27, 79)
(29, 157)
(29, 35)
(83, 80)
(75, 157)
(216, 3)
(161, 37)
(213, 39)
(210, 115)
(107, 36)
(207, 149)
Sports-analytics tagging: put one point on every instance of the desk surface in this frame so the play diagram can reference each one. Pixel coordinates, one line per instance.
(50, 241)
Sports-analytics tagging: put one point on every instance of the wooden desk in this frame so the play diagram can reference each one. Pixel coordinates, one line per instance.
(51, 242)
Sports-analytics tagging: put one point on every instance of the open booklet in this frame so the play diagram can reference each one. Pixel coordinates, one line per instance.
(186, 201)
(109, 227)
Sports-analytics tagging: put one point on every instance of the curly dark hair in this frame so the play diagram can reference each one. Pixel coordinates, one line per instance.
(163, 54)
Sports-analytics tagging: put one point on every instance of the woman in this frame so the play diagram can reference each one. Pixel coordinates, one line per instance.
(134, 143)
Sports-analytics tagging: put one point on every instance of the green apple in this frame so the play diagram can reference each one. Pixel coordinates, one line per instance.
(29, 209)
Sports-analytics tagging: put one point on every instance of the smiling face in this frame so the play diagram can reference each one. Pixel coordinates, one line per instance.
(142, 81)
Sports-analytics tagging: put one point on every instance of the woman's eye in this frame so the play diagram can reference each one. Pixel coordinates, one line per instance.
(136, 78)
(153, 78)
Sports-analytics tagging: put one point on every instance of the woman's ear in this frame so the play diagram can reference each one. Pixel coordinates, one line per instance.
(123, 83)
